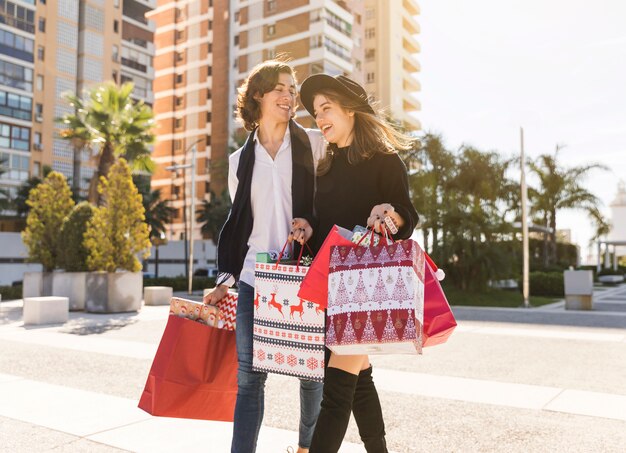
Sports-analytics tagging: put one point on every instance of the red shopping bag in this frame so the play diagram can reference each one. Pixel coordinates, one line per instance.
(314, 287)
(194, 373)
(439, 321)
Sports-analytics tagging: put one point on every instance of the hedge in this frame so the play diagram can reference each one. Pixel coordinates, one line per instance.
(181, 283)
(11, 292)
(546, 284)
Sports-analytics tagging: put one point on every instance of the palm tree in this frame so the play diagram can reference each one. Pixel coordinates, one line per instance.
(213, 215)
(110, 121)
(19, 203)
(560, 188)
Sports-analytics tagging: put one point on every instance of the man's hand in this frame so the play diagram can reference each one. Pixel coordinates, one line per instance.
(215, 295)
(301, 231)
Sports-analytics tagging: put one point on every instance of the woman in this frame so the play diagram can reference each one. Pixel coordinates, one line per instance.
(361, 179)
(278, 159)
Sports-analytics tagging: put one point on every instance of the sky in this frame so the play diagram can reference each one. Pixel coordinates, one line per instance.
(557, 68)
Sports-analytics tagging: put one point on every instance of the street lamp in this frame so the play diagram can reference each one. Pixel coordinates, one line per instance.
(192, 166)
(526, 259)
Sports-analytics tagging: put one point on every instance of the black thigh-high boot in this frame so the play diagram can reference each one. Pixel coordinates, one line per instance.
(368, 414)
(332, 422)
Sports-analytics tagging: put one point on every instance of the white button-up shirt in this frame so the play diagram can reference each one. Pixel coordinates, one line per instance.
(270, 196)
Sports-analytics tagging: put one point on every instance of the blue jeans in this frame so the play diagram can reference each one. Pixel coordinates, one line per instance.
(251, 387)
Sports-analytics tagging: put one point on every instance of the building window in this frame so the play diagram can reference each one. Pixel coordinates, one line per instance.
(16, 76)
(369, 13)
(271, 30)
(37, 141)
(370, 33)
(210, 25)
(114, 76)
(14, 137)
(357, 64)
(16, 46)
(116, 26)
(178, 144)
(179, 101)
(271, 5)
(210, 48)
(209, 71)
(40, 82)
(17, 166)
(42, 24)
(16, 106)
(208, 117)
(178, 123)
(370, 54)
(207, 140)
(271, 54)
(37, 169)
(370, 77)
(17, 16)
(179, 78)
(180, 56)
(180, 35)
(41, 53)
(236, 16)
(317, 41)
(357, 18)
(208, 94)
(236, 40)
(39, 112)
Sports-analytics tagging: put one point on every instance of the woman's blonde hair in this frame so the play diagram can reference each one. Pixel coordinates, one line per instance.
(371, 134)
(262, 79)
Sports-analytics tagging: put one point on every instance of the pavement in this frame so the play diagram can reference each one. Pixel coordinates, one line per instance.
(508, 380)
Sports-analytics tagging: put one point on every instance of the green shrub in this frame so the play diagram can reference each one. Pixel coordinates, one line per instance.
(181, 283)
(11, 292)
(73, 254)
(546, 284)
(619, 271)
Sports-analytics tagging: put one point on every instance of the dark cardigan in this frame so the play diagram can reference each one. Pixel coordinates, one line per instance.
(233, 241)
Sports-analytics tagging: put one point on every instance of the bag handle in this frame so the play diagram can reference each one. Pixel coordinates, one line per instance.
(282, 252)
(371, 236)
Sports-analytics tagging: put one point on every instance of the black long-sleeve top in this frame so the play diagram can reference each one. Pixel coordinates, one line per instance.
(346, 194)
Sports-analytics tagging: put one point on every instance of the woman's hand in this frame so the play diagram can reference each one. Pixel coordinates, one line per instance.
(376, 220)
(216, 294)
(301, 230)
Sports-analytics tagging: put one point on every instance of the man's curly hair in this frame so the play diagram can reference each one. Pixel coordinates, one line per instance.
(262, 79)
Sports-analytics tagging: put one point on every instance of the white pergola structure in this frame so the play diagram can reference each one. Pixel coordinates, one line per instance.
(607, 244)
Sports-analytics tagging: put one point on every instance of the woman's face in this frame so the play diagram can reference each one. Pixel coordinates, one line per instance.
(279, 104)
(334, 121)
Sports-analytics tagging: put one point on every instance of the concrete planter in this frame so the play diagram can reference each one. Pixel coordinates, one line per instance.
(72, 285)
(37, 284)
(578, 290)
(113, 292)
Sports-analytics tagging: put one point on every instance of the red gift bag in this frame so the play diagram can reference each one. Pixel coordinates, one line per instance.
(194, 373)
(439, 321)
(314, 287)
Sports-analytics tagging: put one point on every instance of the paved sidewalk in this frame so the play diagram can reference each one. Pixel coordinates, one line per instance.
(508, 380)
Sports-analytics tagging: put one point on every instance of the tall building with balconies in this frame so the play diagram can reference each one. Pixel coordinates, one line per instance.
(49, 48)
(315, 34)
(17, 78)
(391, 64)
(191, 90)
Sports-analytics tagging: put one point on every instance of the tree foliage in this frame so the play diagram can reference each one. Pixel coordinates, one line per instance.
(74, 254)
(111, 122)
(212, 215)
(559, 188)
(50, 202)
(117, 233)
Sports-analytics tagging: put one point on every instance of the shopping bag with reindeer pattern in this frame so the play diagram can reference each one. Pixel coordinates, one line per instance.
(288, 335)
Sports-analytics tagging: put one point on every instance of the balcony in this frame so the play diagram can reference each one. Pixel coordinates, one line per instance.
(410, 64)
(410, 43)
(136, 11)
(410, 85)
(410, 24)
(134, 65)
(411, 7)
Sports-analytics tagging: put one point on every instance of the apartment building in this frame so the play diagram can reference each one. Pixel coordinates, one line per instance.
(51, 47)
(191, 101)
(206, 48)
(391, 64)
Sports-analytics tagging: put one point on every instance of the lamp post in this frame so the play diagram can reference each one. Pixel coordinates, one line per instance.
(192, 166)
(526, 265)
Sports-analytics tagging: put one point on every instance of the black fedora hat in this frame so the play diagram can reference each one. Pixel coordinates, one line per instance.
(341, 84)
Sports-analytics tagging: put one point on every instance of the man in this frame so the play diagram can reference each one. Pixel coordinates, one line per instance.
(271, 182)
